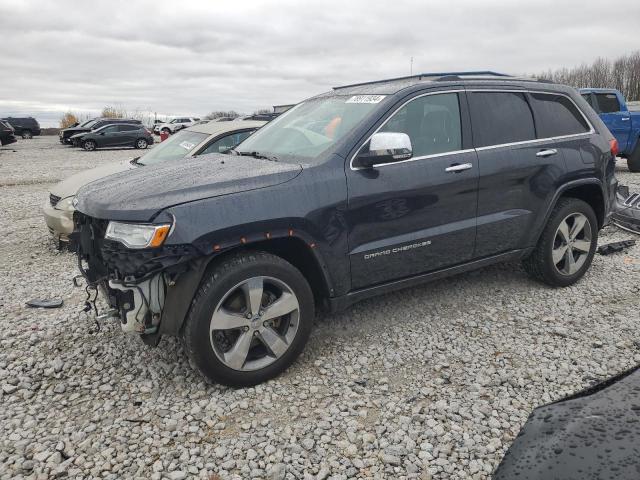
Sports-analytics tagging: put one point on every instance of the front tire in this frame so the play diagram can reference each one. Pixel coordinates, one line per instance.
(26, 134)
(633, 162)
(89, 145)
(567, 245)
(250, 319)
(141, 144)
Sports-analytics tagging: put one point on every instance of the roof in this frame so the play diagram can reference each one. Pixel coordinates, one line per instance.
(597, 90)
(223, 127)
(394, 85)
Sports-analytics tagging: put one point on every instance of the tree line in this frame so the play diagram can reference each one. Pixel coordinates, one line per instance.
(622, 73)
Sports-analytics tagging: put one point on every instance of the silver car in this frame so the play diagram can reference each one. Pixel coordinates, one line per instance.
(215, 137)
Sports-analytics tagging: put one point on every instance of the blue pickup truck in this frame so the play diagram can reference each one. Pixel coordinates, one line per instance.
(623, 124)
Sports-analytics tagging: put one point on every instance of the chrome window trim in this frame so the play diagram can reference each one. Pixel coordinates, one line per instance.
(478, 149)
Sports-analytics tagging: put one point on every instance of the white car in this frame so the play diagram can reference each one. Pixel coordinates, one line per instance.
(175, 125)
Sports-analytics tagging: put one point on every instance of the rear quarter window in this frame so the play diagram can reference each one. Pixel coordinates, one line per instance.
(556, 115)
(500, 117)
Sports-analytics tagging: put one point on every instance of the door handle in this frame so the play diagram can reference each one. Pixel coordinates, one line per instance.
(546, 153)
(625, 119)
(458, 167)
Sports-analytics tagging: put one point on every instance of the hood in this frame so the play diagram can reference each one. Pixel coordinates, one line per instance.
(593, 434)
(70, 186)
(140, 194)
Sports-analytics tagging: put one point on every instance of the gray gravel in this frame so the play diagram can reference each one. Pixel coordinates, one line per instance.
(431, 382)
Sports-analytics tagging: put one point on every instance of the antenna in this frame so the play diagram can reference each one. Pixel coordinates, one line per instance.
(411, 67)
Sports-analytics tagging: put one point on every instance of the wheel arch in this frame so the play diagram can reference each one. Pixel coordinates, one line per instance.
(588, 190)
(294, 249)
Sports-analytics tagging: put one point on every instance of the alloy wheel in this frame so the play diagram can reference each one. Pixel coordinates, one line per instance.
(572, 243)
(141, 143)
(255, 323)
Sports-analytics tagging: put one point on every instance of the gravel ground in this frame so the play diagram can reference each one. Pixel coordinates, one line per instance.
(431, 382)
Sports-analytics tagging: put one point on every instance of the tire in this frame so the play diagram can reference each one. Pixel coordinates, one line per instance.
(570, 263)
(26, 134)
(89, 145)
(223, 291)
(141, 143)
(633, 162)
(166, 130)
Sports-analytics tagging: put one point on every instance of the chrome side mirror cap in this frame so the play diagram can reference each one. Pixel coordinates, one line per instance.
(384, 147)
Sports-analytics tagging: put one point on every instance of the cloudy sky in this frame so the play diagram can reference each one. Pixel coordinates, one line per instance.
(192, 57)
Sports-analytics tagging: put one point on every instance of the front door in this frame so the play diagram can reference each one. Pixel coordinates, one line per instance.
(418, 215)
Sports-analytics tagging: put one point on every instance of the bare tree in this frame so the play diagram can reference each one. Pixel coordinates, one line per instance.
(219, 114)
(622, 73)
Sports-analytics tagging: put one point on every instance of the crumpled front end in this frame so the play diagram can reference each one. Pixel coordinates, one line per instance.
(134, 281)
(627, 212)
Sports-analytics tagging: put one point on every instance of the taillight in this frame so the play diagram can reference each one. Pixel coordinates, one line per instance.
(613, 146)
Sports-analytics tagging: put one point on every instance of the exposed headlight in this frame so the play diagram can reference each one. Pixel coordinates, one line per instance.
(134, 235)
(66, 204)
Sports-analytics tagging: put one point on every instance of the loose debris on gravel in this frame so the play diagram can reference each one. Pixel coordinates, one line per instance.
(431, 382)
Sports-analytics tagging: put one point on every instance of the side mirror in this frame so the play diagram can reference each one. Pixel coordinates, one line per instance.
(102, 133)
(385, 147)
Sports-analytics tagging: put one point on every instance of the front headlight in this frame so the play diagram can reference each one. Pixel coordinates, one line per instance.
(137, 235)
(66, 204)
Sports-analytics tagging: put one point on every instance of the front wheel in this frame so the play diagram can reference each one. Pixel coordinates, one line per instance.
(567, 244)
(26, 134)
(89, 145)
(249, 320)
(141, 143)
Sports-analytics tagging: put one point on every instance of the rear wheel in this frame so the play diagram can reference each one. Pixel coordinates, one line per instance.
(27, 134)
(250, 319)
(141, 143)
(89, 145)
(633, 162)
(567, 244)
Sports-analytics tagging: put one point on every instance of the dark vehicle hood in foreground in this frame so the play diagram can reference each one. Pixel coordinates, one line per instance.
(592, 435)
(139, 194)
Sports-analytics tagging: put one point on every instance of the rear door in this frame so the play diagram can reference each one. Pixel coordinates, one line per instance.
(418, 215)
(108, 136)
(617, 120)
(127, 134)
(518, 171)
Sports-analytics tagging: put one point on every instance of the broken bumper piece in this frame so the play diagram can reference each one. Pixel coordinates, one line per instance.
(140, 302)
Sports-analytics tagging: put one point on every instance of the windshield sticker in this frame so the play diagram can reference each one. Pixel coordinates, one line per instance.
(187, 145)
(366, 99)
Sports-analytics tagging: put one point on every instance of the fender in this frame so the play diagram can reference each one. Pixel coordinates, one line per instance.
(180, 294)
(559, 192)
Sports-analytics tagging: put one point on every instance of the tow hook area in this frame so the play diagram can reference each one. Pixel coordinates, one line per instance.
(142, 315)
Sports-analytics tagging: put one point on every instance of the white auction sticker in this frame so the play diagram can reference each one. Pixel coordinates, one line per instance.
(187, 145)
(366, 99)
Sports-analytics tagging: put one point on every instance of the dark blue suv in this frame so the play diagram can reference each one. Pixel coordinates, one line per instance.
(353, 193)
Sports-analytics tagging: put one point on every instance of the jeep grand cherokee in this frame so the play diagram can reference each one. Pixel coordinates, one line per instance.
(352, 193)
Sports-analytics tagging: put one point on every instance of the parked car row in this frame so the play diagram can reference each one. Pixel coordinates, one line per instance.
(198, 140)
(355, 192)
(175, 125)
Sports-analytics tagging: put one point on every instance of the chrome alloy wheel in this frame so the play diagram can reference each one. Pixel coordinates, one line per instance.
(572, 244)
(255, 323)
(141, 143)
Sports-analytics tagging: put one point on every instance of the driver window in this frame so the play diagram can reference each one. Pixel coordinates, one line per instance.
(111, 129)
(432, 123)
(225, 144)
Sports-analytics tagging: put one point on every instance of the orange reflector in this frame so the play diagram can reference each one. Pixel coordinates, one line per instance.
(268, 235)
(291, 233)
(216, 248)
(159, 235)
(243, 240)
(613, 145)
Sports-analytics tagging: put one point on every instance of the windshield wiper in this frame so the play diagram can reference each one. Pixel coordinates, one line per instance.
(263, 156)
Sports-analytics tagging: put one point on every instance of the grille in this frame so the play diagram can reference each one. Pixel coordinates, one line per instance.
(53, 199)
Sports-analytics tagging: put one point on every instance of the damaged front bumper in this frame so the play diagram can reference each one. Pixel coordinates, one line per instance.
(627, 212)
(134, 282)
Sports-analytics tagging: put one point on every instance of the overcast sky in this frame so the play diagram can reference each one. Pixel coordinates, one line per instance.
(192, 57)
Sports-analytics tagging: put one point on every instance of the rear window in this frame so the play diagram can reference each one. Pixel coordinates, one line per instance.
(500, 117)
(557, 115)
(607, 102)
(127, 128)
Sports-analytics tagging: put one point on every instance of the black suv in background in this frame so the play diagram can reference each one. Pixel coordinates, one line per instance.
(25, 127)
(93, 124)
(353, 193)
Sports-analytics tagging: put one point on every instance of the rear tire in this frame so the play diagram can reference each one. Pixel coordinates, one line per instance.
(26, 134)
(245, 297)
(565, 250)
(89, 145)
(633, 162)
(141, 143)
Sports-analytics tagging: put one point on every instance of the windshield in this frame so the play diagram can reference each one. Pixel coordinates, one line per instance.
(89, 124)
(309, 128)
(175, 147)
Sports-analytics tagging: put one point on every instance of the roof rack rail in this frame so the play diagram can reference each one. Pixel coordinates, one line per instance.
(435, 75)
